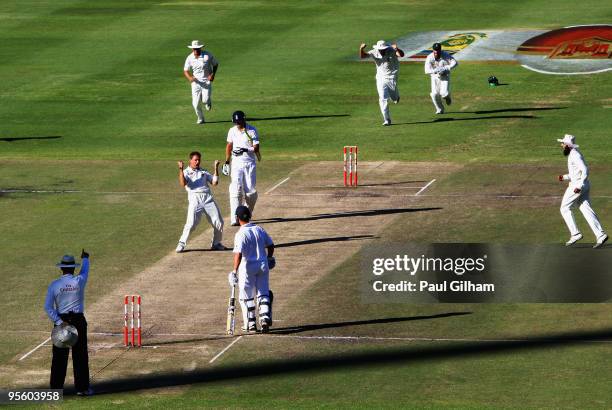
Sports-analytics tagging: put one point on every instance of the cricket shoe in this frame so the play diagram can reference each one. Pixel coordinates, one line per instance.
(396, 101)
(386, 123)
(251, 328)
(265, 324)
(208, 107)
(200, 122)
(218, 247)
(448, 100)
(440, 111)
(180, 247)
(573, 239)
(86, 393)
(600, 242)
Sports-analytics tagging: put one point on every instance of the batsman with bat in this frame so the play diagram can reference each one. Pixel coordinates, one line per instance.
(253, 259)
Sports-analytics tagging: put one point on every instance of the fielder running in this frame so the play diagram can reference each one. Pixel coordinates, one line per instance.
(195, 181)
(387, 69)
(243, 146)
(438, 65)
(577, 194)
(203, 66)
(253, 265)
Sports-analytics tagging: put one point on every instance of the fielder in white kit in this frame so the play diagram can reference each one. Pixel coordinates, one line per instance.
(203, 67)
(439, 65)
(243, 148)
(577, 194)
(201, 202)
(253, 259)
(385, 57)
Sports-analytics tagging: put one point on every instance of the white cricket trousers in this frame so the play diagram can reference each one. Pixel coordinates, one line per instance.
(201, 92)
(440, 88)
(244, 178)
(253, 281)
(203, 204)
(580, 200)
(387, 89)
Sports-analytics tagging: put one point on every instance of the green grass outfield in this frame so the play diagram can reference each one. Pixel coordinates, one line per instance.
(106, 78)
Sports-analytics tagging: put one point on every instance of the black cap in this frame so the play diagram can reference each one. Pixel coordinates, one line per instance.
(238, 117)
(436, 47)
(243, 213)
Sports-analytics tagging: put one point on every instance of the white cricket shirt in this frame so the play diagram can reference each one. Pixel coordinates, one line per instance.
(202, 66)
(197, 180)
(246, 138)
(251, 240)
(387, 66)
(578, 172)
(445, 61)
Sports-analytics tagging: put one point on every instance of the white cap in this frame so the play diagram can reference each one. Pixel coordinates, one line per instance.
(381, 45)
(568, 140)
(195, 44)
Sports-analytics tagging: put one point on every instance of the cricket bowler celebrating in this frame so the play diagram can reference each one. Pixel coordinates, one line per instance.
(438, 65)
(242, 147)
(253, 264)
(387, 69)
(195, 181)
(203, 66)
(577, 194)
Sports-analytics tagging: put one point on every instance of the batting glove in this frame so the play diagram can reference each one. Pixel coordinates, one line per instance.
(271, 262)
(232, 278)
(225, 170)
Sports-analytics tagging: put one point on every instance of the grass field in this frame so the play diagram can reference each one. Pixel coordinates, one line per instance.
(93, 101)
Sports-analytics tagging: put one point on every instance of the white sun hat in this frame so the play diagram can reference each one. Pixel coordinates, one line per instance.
(381, 45)
(568, 140)
(195, 44)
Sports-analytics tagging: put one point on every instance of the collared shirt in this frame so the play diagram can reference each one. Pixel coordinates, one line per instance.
(578, 171)
(202, 66)
(67, 294)
(197, 180)
(252, 240)
(246, 138)
(445, 61)
(387, 65)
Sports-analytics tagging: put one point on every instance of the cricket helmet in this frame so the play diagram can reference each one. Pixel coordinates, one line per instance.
(238, 117)
(243, 213)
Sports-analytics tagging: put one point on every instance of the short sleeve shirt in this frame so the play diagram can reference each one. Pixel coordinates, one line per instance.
(244, 139)
(197, 180)
(251, 241)
(202, 66)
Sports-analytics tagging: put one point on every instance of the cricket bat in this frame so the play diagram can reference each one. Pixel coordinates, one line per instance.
(231, 311)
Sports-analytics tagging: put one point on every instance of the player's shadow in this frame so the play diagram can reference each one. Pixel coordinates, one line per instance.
(521, 109)
(12, 139)
(348, 214)
(392, 183)
(389, 355)
(288, 117)
(449, 119)
(322, 240)
(306, 328)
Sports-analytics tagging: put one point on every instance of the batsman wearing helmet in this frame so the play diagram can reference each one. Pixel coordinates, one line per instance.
(253, 259)
(242, 148)
(439, 65)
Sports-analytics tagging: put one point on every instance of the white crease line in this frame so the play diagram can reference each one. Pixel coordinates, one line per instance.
(425, 187)
(35, 349)
(224, 350)
(277, 185)
(428, 339)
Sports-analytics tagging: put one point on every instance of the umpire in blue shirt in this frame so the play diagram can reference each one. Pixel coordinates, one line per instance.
(65, 304)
